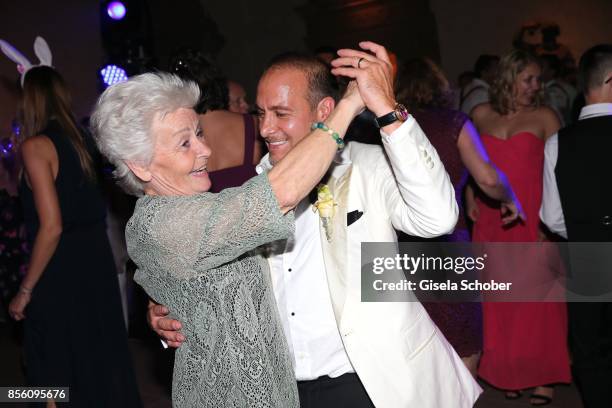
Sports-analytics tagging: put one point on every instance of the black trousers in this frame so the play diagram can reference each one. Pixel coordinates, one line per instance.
(590, 335)
(345, 391)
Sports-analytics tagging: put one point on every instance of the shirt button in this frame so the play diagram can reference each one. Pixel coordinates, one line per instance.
(289, 270)
(292, 314)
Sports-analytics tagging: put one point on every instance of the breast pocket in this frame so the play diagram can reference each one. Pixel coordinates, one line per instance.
(353, 216)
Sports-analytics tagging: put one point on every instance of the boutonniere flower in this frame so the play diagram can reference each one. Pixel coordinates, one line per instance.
(326, 206)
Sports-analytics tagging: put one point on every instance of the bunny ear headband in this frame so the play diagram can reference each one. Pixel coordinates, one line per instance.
(41, 49)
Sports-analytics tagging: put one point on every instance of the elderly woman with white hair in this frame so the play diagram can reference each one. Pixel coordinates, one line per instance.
(193, 249)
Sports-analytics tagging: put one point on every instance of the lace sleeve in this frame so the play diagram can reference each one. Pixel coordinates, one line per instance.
(189, 235)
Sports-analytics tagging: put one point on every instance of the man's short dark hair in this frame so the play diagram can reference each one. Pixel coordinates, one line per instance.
(321, 82)
(594, 64)
(483, 63)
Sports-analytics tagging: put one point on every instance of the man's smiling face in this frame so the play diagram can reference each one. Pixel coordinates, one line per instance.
(285, 114)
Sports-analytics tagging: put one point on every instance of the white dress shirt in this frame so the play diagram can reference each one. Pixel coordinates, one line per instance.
(302, 295)
(551, 212)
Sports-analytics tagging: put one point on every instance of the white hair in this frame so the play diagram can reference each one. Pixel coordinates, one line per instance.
(123, 118)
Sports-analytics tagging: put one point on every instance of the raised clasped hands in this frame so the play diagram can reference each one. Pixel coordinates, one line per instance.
(372, 73)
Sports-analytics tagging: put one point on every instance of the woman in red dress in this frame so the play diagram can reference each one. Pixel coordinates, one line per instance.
(524, 343)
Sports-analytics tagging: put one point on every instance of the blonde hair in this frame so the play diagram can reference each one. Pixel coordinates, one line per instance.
(502, 91)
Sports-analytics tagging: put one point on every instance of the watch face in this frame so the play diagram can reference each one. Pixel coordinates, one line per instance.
(401, 113)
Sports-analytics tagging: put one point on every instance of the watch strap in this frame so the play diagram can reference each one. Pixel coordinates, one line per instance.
(399, 113)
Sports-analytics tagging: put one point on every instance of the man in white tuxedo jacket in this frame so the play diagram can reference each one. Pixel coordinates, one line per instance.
(349, 353)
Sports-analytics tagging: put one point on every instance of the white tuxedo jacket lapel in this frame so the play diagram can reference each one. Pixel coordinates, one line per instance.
(335, 252)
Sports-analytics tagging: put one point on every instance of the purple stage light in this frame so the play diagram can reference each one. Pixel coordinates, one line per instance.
(116, 10)
(6, 147)
(112, 74)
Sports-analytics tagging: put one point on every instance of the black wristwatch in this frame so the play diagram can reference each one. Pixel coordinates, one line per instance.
(399, 113)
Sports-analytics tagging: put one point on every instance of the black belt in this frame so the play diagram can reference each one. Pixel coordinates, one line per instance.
(326, 379)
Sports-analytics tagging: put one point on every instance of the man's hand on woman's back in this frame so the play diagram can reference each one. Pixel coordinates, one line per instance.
(166, 328)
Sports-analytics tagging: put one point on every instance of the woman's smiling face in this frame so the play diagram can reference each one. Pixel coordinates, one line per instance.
(180, 156)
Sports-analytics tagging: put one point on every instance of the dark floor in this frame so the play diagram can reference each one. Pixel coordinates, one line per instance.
(153, 367)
